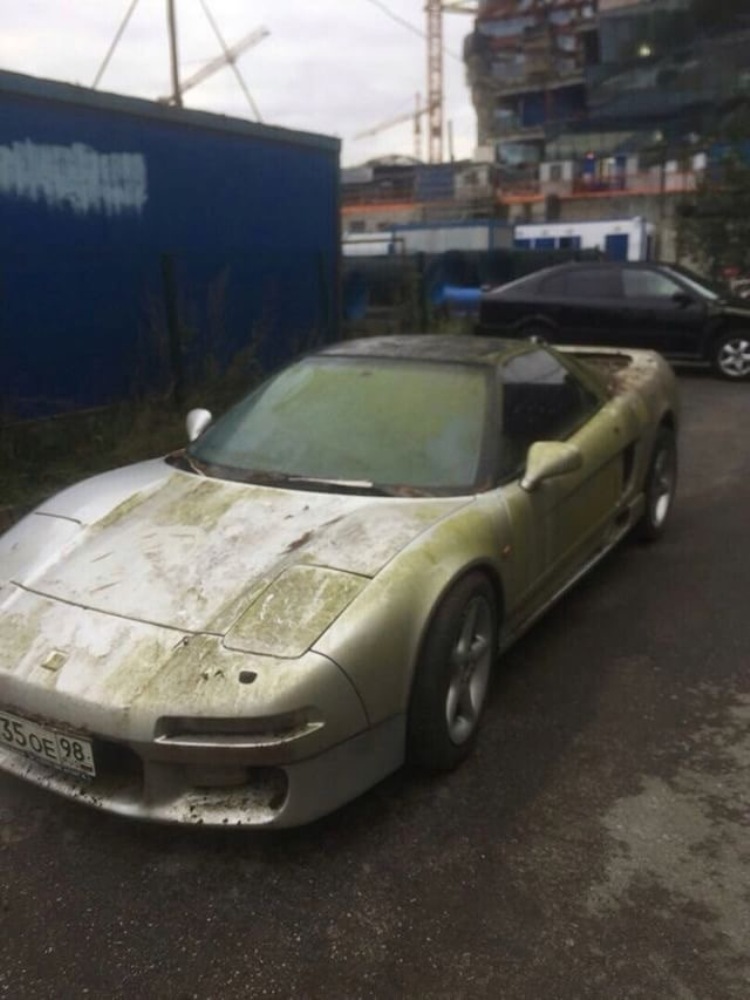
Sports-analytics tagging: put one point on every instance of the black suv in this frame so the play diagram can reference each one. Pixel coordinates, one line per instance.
(658, 306)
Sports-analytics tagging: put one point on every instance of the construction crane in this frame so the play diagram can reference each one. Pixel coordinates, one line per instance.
(227, 58)
(435, 87)
(415, 116)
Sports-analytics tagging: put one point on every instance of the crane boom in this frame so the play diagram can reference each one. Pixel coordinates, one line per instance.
(226, 58)
(407, 116)
(413, 116)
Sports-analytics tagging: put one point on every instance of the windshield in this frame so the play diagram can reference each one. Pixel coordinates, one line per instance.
(700, 285)
(356, 422)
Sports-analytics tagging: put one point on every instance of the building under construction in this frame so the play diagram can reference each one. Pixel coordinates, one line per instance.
(527, 63)
(630, 71)
(587, 110)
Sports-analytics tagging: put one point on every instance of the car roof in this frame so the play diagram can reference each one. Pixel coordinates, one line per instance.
(577, 265)
(462, 349)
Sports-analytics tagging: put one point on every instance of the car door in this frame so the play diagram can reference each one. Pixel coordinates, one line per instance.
(584, 303)
(561, 525)
(666, 317)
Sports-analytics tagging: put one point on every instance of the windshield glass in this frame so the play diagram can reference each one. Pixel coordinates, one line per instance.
(704, 288)
(357, 421)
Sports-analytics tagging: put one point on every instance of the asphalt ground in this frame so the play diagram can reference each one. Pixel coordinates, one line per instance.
(596, 846)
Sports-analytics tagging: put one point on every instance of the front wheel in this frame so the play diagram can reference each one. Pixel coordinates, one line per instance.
(660, 486)
(452, 676)
(731, 356)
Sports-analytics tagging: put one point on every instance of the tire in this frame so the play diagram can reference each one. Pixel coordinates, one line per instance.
(452, 678)
(730, 357)
(660, 487)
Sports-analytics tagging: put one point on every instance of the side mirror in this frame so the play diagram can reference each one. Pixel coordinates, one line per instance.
(548, 459)
(196, 422)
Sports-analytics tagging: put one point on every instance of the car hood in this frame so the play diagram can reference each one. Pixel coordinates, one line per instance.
(734, 307)
(157, 545)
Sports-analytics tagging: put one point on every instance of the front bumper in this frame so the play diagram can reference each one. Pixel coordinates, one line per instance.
(237, 793)
(183, 729)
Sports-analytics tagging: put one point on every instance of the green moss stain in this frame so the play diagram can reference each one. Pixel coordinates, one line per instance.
(198, 502)
(18, 633)
(202, 504)
(290, 615)
(120, 512)
(142, 662)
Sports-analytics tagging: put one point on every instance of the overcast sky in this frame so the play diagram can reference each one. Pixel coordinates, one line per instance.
(331, 66)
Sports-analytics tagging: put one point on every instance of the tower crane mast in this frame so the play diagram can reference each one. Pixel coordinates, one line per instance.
(435, 83)
(435, 80)
(434, 108)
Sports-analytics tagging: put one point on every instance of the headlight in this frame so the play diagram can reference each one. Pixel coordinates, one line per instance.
(295, 610)
(237, 733)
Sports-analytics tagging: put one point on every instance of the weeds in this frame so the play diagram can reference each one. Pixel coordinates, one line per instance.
(41, 457)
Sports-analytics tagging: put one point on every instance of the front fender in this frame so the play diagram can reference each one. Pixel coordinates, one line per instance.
(376, 641)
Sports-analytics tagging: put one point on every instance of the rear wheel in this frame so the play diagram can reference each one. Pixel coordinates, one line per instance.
(452, 677)
(660, 488)
(731, 356)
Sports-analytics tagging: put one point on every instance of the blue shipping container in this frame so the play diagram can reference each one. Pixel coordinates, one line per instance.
(140, 243)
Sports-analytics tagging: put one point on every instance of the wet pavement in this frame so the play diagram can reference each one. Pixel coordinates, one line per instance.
(596, 846)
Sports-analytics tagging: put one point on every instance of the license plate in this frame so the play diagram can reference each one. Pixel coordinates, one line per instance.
(72, 753)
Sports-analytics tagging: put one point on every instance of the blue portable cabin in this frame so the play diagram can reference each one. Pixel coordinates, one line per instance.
(141, 243)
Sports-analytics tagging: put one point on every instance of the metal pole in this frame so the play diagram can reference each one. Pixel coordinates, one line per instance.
(113, 46)
(418, 128)
(172, 20)
(435, 78)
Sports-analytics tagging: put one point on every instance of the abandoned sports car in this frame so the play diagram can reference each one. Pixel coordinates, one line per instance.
(258, 628)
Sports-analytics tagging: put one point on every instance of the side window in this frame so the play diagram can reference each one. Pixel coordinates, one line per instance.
(541, 401)
(592, 283)
(640, 283)
(554, 286)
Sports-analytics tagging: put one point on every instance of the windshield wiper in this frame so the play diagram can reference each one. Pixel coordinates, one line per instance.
(346, 485)
(281, 479)
(182, 459)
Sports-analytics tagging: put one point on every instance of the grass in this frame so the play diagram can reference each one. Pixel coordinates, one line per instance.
(39, 458)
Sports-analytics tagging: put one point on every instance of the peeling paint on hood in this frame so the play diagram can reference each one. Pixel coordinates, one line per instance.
(189, 552)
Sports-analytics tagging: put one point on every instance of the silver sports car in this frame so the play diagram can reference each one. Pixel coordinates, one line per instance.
(258, 628)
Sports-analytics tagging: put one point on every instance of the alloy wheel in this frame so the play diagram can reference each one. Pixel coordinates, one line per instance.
(471, 659)
(733, 357)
